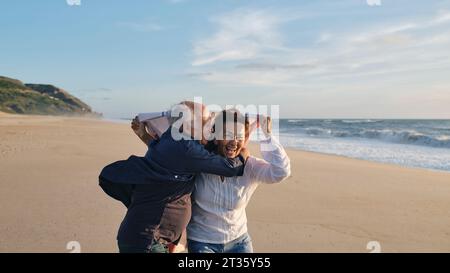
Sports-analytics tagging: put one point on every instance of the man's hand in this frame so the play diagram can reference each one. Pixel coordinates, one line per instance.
(140, 130)
(138, 127)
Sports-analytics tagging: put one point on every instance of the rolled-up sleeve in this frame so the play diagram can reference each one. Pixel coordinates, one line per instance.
(273, 168)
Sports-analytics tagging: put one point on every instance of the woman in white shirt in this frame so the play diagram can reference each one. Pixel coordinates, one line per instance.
(219, 220)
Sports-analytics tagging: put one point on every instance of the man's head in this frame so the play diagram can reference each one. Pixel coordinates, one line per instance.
(231, 130)
(194, 118)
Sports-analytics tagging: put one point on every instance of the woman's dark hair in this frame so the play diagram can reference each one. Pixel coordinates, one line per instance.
(237, 117)
(221, 118)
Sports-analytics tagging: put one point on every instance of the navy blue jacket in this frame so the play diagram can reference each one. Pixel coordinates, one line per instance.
(158, 183)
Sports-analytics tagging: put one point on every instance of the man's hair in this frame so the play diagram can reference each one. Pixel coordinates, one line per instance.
(172, 119)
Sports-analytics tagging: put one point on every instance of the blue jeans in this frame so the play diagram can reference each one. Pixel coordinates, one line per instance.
(242, 244)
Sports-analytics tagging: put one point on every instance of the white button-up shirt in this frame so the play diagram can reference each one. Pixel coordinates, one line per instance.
(218, 210)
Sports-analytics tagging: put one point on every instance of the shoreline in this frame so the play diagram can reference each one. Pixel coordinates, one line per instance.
(369, 161)
(123, 122)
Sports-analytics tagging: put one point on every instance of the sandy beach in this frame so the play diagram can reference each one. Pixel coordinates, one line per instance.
(49, 195)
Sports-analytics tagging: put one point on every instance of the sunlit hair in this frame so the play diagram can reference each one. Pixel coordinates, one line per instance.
(173, 118)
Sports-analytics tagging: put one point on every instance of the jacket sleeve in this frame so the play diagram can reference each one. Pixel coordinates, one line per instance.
(199, 160)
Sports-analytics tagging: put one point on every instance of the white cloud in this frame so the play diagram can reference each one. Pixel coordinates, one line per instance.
(441, 18)
(241, 35)
(255, 40)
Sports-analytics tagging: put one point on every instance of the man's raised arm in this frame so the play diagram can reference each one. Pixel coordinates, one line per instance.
(199, 160)
(140, 130)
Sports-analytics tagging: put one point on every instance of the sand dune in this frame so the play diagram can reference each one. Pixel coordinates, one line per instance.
(49, 195)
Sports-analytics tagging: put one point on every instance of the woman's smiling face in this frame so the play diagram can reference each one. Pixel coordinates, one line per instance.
(232, 140)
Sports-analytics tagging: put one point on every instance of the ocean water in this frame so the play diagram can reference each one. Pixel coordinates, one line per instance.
(411, 143)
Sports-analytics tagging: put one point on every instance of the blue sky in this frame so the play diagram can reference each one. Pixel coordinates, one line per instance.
(314, 58)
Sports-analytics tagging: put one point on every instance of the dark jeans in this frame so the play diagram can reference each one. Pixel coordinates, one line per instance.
(154, 248)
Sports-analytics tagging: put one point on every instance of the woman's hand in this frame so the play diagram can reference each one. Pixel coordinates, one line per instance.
(245, 153)
(266, 125)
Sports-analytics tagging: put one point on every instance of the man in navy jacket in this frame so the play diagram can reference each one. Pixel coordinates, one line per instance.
(156, 188)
